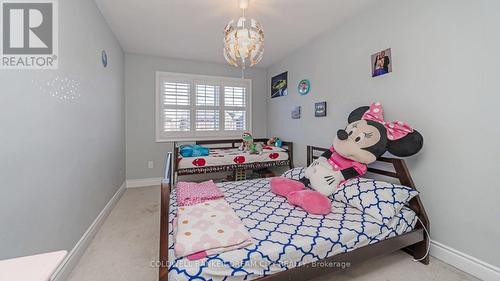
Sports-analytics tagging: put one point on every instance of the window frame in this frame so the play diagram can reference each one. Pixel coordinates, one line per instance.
(194, 135)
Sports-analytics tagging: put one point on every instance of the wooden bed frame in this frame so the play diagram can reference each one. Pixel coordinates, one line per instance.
(414, 242)
(231, 143)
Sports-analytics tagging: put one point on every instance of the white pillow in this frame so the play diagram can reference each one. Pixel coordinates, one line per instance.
(381, 200)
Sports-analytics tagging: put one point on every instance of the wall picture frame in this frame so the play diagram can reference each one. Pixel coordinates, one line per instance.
(304, 87)
(279, 85)
(320, 109)
(381, 63)
(296, 112)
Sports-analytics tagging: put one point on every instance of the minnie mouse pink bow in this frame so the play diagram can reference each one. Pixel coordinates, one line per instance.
(395, 130)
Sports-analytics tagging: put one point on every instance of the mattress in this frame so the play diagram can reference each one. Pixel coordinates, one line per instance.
(232, 156)
(284, 235)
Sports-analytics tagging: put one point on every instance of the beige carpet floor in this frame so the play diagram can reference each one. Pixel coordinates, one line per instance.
(128, 242)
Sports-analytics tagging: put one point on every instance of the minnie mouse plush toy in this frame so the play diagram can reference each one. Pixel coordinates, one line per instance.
(366, 138)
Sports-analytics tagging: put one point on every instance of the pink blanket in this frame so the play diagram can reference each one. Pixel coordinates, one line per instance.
(208, 228)
(191, 193)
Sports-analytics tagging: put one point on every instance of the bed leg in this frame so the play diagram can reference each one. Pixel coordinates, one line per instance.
(419, 250)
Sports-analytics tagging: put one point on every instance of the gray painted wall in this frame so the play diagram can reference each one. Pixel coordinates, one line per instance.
(445, 83)
(140, 107)
(61, 160)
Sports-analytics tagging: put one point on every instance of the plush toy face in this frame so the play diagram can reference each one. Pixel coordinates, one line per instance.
(247, 137)
(355, 140)
(366, 140)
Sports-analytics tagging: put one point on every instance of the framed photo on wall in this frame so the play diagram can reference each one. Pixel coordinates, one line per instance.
(382, 63)
(296, 112)
(279, 85)
(320, 109)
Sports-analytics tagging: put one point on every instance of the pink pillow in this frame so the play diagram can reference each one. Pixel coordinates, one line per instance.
(283, 186)
(311, 201)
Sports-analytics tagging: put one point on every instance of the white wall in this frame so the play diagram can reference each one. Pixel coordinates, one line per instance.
(445, 83)
(140, 106)
(61, 160)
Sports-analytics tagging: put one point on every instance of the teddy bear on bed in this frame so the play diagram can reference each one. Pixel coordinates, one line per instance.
(364, 139)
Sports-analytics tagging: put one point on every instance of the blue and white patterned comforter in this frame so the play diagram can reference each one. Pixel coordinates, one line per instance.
(285, 236)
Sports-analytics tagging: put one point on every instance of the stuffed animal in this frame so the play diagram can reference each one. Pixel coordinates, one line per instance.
(274, 141)
(248, 145)
(246, 139)
(366, 137)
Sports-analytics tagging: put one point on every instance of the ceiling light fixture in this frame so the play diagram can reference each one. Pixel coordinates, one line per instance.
(243, 40)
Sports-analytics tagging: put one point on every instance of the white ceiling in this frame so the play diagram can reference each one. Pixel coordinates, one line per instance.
(192, 29)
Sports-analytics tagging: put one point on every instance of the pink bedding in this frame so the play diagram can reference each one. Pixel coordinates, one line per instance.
(208, 228)
(191, 193)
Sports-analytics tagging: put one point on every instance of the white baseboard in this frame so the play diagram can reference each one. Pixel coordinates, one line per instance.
(143, 182)
(464, 262)
(67, 265)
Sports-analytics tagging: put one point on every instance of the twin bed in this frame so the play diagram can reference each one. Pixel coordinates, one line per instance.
(225, 156)
(291, 244)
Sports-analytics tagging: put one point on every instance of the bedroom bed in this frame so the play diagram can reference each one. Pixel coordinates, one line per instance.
(291, 244)
(225, 156)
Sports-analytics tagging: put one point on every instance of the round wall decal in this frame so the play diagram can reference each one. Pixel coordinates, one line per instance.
(104, 58)
(304, 87)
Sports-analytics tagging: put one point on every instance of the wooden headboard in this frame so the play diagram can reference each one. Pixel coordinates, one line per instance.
(401, 173)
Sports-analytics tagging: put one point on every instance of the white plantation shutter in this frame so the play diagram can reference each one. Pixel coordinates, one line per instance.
(176, 93)
(192, 107)
(235, 96)
(208, 98)
(175, 106)
(207, 120)
(176, 120)
(235, 113)
(235, 120)
(207, 95)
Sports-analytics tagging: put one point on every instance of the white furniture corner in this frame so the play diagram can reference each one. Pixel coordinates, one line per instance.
(31, 268)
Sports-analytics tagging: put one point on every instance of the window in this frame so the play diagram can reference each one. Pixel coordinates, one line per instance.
(193, 107)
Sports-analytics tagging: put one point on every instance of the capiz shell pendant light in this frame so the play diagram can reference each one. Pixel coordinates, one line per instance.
(243, 40)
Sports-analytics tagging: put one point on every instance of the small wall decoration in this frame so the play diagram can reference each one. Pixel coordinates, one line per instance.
(320, 109)
(381, 63)
(279, 85)
(296, 112)
(304, 87)
(104, 58)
